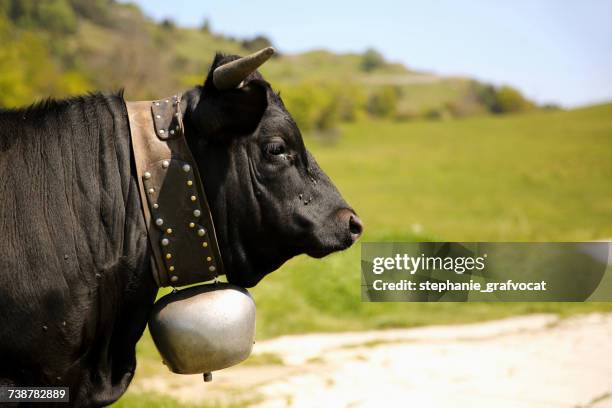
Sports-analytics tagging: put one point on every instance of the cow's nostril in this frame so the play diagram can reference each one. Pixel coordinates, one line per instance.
(355, 226)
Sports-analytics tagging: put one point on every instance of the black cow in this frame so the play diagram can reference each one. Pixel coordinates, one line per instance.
(76, 287)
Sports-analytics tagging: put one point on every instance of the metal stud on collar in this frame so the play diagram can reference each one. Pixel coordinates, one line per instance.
(173, 247)
(167, 118)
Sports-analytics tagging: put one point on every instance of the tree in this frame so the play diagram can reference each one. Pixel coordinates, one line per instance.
(206, 26)
(57, 16)
(5, 7)
(509, 99)
(12, 82)
(168, 24)
(256, 43)
(485, 94)
(383, 102)
(23, 12)
(500, 100)
(371, 60)
(94, 10)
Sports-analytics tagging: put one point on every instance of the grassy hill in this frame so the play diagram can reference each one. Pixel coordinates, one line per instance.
(65, 47)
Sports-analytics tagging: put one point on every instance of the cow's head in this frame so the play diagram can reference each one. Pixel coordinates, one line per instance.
(269, 198)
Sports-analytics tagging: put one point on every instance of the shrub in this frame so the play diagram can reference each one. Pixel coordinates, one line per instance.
(371, 60)
(57, 16)
(298, 100)
(5, 7)
(206, 27)
(94, 10)
(320, 105)
(168, 24)
(407, 114)
(435, 114)
(509, 99)
(256, 43)
(350, 101)
(501, 100)
(485, 94)
(551, 107)
(53, 15)
(383, 102)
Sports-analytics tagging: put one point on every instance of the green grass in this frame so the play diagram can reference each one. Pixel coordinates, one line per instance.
(541, 176)
(538, 176)
(263, 359)
(152, 400)
(142, 400)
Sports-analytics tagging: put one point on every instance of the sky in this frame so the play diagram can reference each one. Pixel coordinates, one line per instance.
(554, 51)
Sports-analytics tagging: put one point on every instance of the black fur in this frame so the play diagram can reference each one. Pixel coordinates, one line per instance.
(75, 286)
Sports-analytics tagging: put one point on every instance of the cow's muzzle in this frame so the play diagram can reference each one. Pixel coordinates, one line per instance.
(348, 229)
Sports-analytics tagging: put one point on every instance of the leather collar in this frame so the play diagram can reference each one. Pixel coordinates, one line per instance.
(179, 222)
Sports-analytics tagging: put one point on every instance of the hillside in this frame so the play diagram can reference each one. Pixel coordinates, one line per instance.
(64, 47)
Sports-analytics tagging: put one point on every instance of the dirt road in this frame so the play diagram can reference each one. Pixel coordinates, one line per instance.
(534, 361)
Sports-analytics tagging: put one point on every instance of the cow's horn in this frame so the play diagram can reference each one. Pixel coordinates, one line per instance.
(230, 75)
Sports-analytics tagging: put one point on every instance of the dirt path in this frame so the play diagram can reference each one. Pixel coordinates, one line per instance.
(534, 361)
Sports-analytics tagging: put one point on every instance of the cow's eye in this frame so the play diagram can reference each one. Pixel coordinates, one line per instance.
(275, 148)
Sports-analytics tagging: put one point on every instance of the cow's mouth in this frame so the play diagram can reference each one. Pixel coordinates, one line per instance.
(323, 251)
(320, 253)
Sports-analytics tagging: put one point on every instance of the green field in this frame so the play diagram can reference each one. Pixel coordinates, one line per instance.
(531, 177)
(538, 176)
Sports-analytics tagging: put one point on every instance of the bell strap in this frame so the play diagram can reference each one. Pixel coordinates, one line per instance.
(178, 218)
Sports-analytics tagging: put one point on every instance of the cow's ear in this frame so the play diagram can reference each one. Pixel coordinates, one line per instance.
(219, 114)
